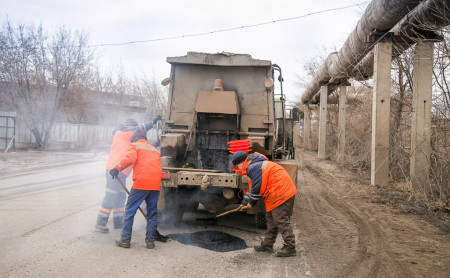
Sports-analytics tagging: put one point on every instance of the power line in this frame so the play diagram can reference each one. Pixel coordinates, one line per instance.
(229, 29)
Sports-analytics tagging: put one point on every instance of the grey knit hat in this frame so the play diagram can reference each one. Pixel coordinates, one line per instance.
(138, 135)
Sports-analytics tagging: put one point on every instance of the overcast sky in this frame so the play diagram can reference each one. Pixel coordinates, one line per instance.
(288, 43)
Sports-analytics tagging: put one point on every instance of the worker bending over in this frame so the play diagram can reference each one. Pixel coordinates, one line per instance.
(271, 182)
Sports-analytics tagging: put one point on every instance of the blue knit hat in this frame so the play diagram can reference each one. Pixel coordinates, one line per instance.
(238, 157)
(130, 122)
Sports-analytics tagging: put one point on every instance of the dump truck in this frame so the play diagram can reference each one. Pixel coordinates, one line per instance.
(214, 99)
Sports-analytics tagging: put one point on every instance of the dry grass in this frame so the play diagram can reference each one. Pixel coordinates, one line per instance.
(432, 195)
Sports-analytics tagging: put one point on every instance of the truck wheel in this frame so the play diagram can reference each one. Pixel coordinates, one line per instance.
(173, 212)
(191, 206)
(260, 221)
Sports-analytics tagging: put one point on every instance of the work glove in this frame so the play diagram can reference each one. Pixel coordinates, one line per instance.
(147, 126)
(114, 173)
(156, 119)
(242, 207)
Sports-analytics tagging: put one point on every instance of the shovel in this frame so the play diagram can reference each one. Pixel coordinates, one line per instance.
(128, 193)
(143, 213)
(214, 218)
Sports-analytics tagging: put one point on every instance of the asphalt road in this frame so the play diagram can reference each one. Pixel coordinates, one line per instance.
(48, 211)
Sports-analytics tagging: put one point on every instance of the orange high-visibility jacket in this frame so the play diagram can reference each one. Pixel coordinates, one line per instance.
(269, 181)
(119, 146)
(276, 186)
(146, 161)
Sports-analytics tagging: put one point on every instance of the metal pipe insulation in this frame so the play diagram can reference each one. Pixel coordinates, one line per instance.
(380, 15)
(428, 16)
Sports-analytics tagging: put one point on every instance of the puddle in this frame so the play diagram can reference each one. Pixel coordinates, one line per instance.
(211, 240)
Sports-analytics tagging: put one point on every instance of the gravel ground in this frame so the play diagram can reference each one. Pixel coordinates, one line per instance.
(48, 207)
(49, 203)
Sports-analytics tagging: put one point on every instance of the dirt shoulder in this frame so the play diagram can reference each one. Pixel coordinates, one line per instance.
(351, 229)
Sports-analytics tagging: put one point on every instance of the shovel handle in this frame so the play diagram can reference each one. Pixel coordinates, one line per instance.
(227, 212)
(128, 193)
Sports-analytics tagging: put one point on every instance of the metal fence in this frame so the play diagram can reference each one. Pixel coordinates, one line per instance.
(14, 132)
(63, 135)
(81, 133)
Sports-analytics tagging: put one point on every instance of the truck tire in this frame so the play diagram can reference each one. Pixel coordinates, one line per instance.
(260, 221)
(260, 215)
(173, 212)
(191, 206)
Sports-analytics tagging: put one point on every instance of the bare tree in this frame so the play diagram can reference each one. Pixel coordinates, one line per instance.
(79, 106)
(37, 72)
(154, 95)
(433, 194)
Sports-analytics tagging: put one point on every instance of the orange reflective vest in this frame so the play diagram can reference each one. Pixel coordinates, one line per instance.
(267, 180)
(276, 186)
(119, 146)
(146, 161)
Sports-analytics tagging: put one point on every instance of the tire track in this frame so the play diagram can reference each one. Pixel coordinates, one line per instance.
(363, 251)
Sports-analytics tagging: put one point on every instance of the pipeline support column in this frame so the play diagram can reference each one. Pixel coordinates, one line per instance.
(307, 128)
(341, 124)
(421, 115)
(322, 122)
(381, 108)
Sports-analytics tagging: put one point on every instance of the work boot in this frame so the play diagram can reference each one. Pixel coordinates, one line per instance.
(121, 243)
(101, 229)
(263, 248)
(286, 251)
(150, 244)
(160, 237)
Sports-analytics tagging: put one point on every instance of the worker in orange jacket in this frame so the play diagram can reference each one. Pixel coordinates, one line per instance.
(271, 182)
(115, 196)
(147, 171)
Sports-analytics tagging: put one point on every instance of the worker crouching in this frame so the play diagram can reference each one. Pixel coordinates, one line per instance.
(271, 182)
(146, 161)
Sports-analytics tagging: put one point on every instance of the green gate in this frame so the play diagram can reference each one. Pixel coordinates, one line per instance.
(7, 132)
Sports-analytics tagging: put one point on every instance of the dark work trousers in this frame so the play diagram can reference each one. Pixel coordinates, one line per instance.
(134, 201)
(114, 201)
(278, 220)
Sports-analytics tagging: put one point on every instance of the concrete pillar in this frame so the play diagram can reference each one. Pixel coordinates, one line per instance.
(341, 124)
(307, 128)
(296, 136)
(381, 109)
(322, 122)
(421, 116)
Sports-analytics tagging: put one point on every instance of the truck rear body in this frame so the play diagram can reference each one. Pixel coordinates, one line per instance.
(214, 99)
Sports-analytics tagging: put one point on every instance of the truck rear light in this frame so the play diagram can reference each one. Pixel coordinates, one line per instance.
(165, 175)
